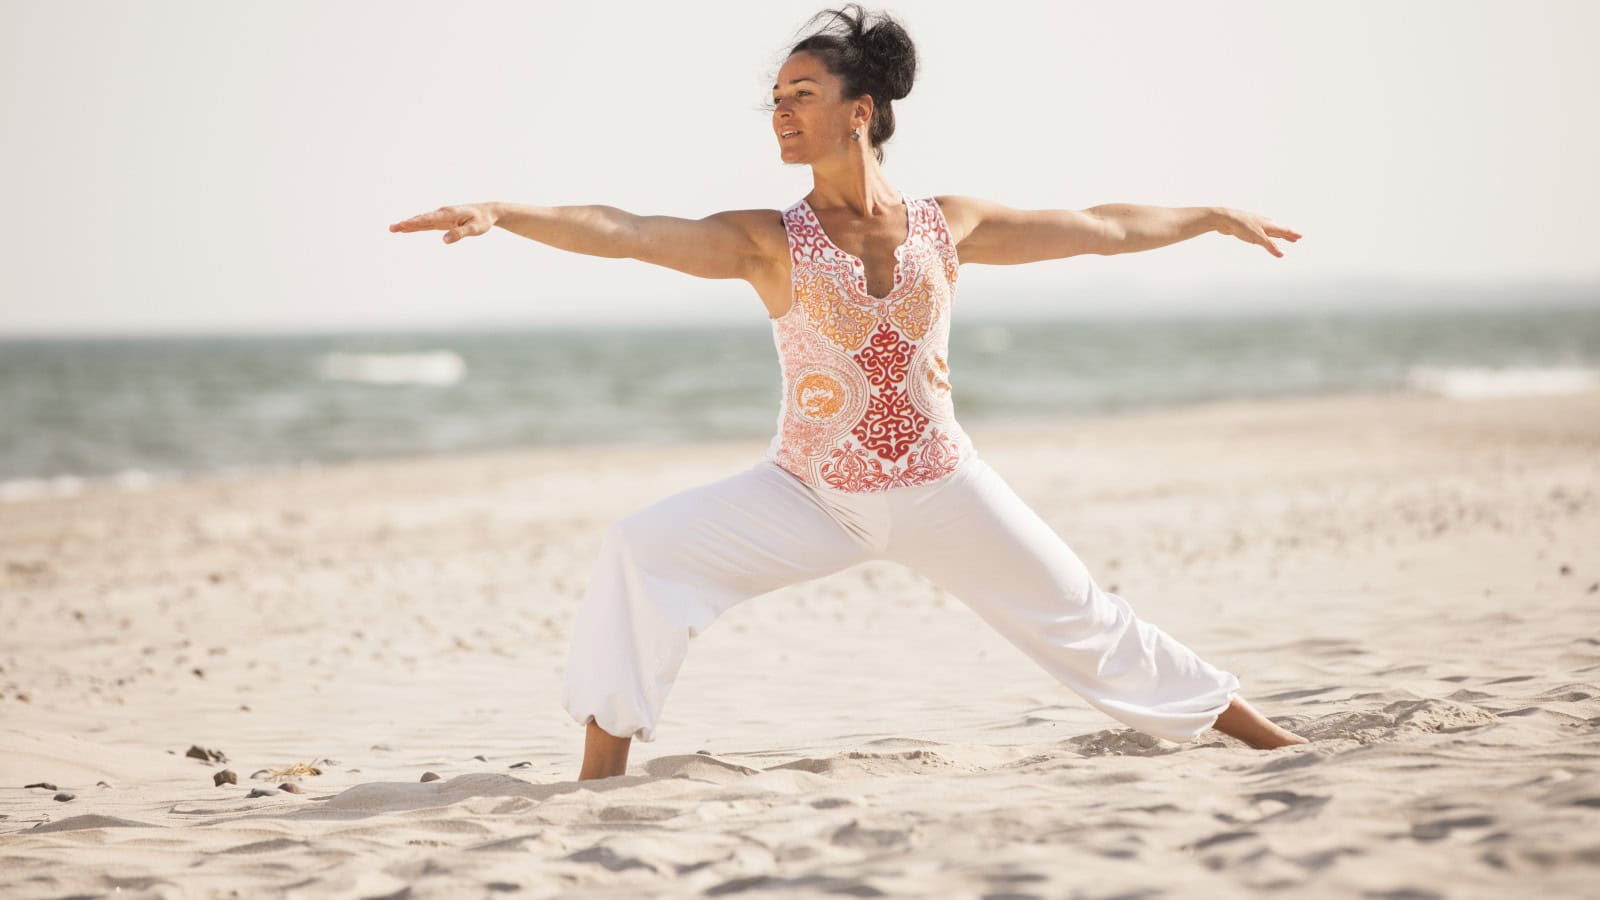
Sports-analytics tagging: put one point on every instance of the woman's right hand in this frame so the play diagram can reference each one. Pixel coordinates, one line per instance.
(457, 222)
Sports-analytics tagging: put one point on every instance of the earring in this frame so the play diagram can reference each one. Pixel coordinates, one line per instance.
(855, 135)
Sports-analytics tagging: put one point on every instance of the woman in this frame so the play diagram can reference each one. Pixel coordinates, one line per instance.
(869, 461)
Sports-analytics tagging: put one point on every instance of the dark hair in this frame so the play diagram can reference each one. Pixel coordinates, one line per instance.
(876, 59)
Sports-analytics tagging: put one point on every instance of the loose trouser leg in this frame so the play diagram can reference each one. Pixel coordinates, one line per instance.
(978, 540)
(667, 571)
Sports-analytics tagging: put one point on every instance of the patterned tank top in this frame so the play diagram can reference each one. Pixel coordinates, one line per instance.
(866, 392)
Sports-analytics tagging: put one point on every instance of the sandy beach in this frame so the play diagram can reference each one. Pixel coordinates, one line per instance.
(1412, 582)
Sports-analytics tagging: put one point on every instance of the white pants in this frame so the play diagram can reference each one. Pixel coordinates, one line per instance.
(667, 571)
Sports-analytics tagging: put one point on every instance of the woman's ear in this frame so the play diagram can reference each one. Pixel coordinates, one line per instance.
(865, 106)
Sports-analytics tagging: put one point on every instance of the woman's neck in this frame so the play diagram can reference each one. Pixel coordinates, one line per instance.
(856, 181)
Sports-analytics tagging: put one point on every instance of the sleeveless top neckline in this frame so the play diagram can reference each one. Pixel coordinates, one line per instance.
(861, 266)
(866, 397)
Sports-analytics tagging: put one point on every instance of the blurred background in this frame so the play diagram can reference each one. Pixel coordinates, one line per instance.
(198, 275)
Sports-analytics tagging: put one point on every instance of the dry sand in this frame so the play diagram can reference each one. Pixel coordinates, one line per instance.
(1411, 582)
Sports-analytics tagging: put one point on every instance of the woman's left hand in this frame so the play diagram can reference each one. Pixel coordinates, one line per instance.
(1253, 228)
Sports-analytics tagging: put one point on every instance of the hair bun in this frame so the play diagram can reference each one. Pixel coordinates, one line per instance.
(887, 52)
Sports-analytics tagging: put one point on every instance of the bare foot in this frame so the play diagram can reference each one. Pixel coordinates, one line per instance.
(1241, 720)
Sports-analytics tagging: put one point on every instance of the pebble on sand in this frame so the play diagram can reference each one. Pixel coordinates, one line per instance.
(199, 752)
(225, 776)
(429, 776)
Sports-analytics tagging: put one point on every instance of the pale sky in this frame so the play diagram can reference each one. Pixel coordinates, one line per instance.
(222, 166)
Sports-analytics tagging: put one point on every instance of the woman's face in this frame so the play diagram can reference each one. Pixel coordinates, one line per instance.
(809, 118)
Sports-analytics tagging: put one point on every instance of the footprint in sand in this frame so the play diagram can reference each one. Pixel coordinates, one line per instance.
(1396, 719)
(611, 860)
(1441, 828)
(1296, 807)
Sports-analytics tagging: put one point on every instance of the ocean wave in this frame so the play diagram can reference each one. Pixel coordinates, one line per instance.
(434, 367)
(69, 485)
(1526, 381)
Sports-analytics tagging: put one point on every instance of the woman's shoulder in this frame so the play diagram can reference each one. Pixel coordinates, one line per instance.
(960, 213)
(765, 227)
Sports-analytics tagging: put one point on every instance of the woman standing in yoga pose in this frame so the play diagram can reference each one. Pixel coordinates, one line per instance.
(868, 462)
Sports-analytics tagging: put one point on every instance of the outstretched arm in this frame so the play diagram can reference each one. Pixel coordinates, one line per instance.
(721, 245)
(993, 234)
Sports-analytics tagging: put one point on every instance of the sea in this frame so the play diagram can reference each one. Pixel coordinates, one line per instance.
(132, 411)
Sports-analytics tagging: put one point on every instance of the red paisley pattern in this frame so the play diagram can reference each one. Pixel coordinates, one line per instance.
(885, 357)
(867, 399)
(890, 425)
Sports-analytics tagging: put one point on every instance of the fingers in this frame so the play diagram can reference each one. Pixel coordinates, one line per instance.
(418, 223)
(440, 218)
(1267, 229)
(1261, 238)
(466, 225)
(1276, 230)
